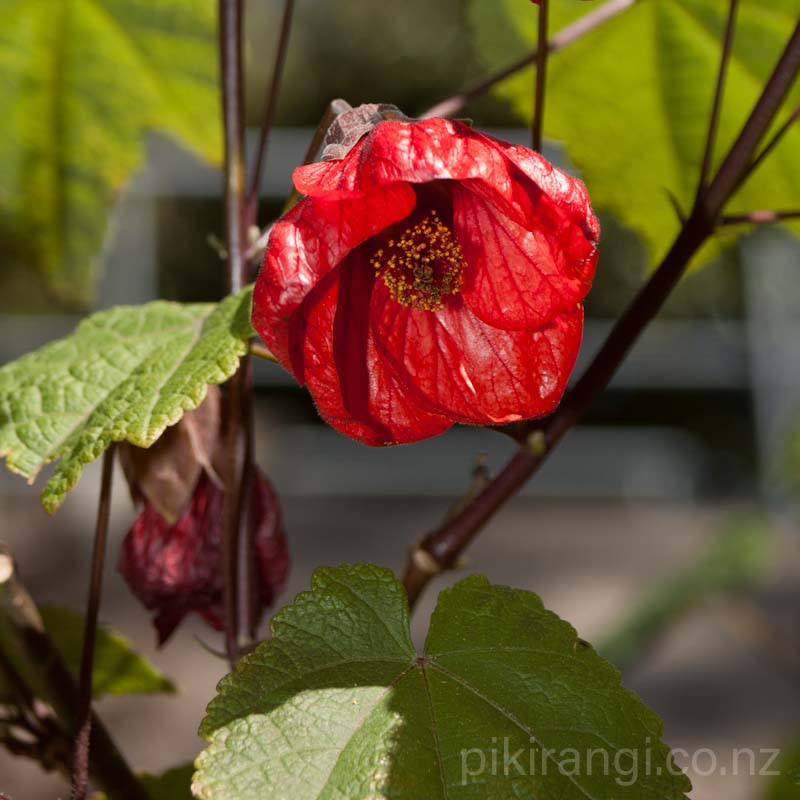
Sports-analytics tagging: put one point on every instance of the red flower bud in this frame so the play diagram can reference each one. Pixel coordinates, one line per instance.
(177, 569)
(432, 275)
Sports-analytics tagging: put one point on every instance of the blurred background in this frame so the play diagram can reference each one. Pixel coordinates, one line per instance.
(664, 528)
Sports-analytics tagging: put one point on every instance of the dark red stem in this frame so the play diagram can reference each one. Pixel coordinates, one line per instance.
(760, 217)
(716, 105)
(774, 140)
(542, 51)
(270, 109)
(80, 758)
(440, 549)
(236, 547)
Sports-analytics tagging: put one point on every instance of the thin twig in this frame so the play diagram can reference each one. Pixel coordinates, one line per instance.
(542, 51)
(270, 109)
(716, 105)
(761, 217)
(238, 396)
(770, 145)
(80, 759)
(441, 548)
(560, 40)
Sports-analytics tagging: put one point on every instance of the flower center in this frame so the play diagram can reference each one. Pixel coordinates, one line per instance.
(423, 266)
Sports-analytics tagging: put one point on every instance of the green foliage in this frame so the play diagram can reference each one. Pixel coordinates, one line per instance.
(83, 81)
(786, 785)
(736, 558)
(631, 100)
(172, 785)
(337, 704)
(125, 374)
(118, 669)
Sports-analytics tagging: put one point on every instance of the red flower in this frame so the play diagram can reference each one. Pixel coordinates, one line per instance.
(433, 275)
(177, 569)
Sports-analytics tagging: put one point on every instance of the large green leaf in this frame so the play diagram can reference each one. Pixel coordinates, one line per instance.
(118, 669)
(631, 99)
(338, 704)
(81, 83)
(125, 374)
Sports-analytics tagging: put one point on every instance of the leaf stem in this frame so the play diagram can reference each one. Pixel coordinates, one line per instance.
(270, 109)
(440, 549)
(259, 351)
(719, 89)
(560, 40)
(80, 759)
(542, 51)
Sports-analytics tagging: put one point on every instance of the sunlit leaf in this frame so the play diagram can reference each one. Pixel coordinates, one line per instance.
(83, 81)
(631, 100)
(337, 704)
(125, 374)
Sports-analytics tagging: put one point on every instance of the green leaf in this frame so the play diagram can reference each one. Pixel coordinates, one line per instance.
(83, 83)
(172, 785)
(337, 704)
(118, 669)
(631, 100)
(786, 785)
(125, 374)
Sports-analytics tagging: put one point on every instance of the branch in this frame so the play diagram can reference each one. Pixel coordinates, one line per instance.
(760, 217)
(770, 145)
(236, 547)
(542, 51)
(80, 758)
(270, 108)
(564, 37)
(716, 106)
(27, 651)
(441, 548)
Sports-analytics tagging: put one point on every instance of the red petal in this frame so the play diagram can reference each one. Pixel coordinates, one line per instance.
(567, 193)
(416, 152)
(306, 244)
(470, 371)
(519, 277)
(336, 348)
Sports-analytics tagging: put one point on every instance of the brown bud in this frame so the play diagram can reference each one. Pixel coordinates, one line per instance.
(166, 473)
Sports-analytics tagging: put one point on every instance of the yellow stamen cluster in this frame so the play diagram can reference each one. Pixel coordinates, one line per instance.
(423, 266)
